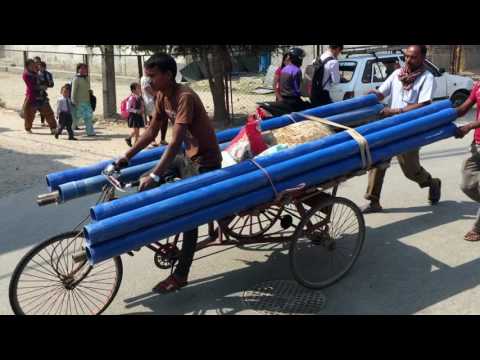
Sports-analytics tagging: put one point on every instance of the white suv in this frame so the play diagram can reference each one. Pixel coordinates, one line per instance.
(361, 73)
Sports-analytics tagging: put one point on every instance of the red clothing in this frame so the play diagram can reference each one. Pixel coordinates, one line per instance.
(31, 83)
(278, 72)
(475, 96)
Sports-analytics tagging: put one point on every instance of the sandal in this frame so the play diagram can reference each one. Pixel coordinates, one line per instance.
(371, 208)
(472, 236)
(170, 284)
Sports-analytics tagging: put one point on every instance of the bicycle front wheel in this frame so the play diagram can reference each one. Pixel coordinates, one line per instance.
(48, 281)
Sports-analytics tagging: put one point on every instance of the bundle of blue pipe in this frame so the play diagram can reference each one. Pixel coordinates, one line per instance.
(363, 103)
(75, 189)
(151, 216)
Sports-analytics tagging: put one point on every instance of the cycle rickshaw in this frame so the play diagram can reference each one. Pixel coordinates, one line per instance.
(324, 233)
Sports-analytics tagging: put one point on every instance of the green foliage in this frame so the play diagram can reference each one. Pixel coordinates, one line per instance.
(197, 50)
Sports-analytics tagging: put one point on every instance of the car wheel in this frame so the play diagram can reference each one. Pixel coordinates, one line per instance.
(459, 97)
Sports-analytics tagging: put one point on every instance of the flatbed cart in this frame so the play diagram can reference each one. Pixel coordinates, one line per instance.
(324, 233)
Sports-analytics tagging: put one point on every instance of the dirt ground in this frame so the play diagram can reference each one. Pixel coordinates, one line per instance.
(27, 158)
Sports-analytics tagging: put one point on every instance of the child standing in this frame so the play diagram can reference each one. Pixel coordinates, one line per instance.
(64, 113)
(81, 99)
(135, 109)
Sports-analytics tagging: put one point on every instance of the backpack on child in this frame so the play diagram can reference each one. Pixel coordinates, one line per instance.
(123, 108)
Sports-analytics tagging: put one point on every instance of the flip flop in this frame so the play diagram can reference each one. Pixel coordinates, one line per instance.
(371, 208)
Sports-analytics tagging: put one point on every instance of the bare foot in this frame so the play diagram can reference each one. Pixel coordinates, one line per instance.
(472, 236)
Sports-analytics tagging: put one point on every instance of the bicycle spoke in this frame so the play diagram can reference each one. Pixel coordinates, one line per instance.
(339, 227)
(65, 258)
(97, 280)
(47, 271)
(98, 283)
(38, 288)
(40, 305)
(74, 302)
(88, 297)
(52, 305)
(59, 309)
(346, 226)
(58, 264)
(80, 301)
(244, 224)
(260, 223)
(102, 273)
(95, 290)
(47, 262)
(353, 225)
(37, 276)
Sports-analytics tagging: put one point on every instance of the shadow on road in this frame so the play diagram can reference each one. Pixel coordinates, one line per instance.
(391, 277)
(23, 223)
(221, 293)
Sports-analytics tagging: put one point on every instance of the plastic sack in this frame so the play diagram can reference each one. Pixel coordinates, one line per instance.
(274, 149)
(248, 143)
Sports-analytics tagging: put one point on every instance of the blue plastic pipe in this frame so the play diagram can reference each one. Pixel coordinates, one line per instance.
(190, 202)
(115, 247)
(75, 189)
(57, 178)
(134, 201)
(322, 111)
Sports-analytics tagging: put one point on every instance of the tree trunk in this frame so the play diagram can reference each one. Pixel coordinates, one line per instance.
(215, 65)
(108, 82)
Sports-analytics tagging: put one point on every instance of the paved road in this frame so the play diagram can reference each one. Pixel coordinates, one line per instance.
(414, 260)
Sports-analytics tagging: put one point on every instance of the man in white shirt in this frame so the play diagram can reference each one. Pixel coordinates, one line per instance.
(410, 87)
(326, 75)
(148, 96)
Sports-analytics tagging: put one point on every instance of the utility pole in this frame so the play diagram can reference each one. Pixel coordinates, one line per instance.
(108, 82)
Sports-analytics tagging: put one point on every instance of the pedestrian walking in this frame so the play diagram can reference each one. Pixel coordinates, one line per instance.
(64, 113)
(136, 111)
(410, 87)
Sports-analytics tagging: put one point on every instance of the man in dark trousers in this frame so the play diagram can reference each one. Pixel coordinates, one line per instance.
(191, 125)
(410, 87)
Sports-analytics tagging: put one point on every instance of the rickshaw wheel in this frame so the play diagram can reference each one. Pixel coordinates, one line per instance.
(327, 243)
(253, 223)
(47, 281)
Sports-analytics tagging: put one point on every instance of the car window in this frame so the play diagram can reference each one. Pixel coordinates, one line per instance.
(347, 70)
(379, 70)
(367, 73)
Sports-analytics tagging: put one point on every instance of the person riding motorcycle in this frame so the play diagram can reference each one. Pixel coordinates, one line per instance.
(290, 86)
